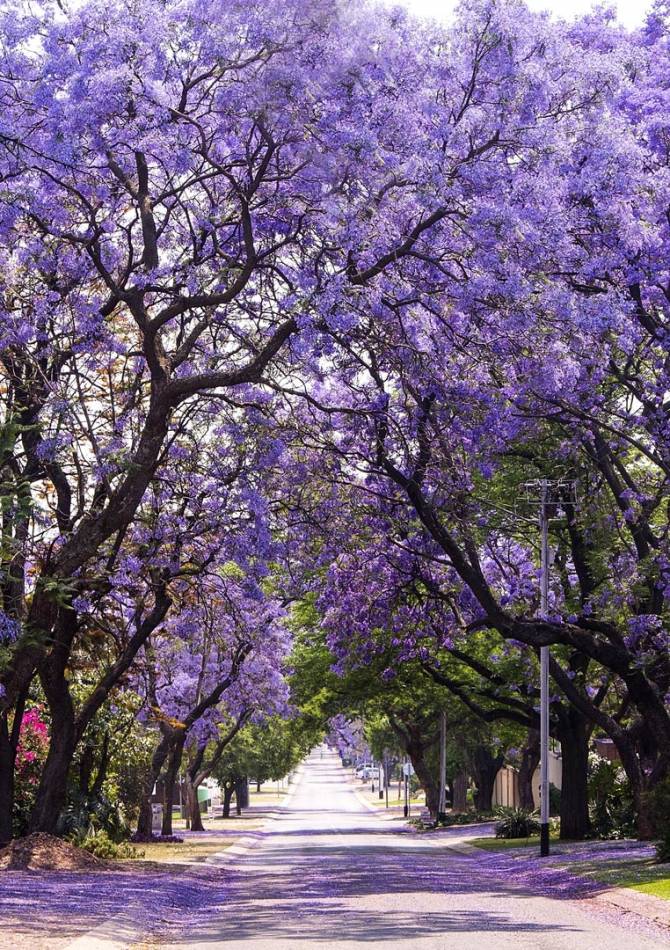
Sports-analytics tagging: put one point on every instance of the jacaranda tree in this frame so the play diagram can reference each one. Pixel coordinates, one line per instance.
(241, 240)
(525, 338)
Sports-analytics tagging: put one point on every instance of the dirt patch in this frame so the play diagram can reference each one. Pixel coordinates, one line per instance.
(42, 852)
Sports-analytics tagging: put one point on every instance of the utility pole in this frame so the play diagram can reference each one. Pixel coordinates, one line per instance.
(406, 776)
(442, 804)
(553, 494)
(544, 674)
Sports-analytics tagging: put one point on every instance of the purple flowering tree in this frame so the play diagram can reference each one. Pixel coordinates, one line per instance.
(180, 194)
(216, 662)
(434, 257)
(526, 339)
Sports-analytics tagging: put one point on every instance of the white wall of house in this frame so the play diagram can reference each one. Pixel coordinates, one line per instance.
(506, 788)
(555, 776)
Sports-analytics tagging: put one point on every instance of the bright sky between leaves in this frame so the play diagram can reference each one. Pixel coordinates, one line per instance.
(630, 12)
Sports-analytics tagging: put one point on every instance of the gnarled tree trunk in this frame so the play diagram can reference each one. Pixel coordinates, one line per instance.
(530, 759)
(144, 821)
(416, 752)
(459, 800)
(171, 774)
(52, 791)
(228, 791)
(7, 758)
(241, 793)
(417, 738)
(573, 732)
(194, 813)
(485, 768)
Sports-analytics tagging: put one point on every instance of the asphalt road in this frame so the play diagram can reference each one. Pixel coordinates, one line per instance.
(332, 874)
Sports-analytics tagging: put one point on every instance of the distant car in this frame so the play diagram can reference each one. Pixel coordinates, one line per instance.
(366, 772)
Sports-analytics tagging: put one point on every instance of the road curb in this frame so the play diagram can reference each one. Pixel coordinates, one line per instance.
(116, 933)
(381, 813)
(645, 906)
(248, 842)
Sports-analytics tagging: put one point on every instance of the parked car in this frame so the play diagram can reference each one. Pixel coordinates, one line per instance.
(366, 772)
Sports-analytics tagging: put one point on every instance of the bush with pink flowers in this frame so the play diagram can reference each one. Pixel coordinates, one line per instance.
(30, 755)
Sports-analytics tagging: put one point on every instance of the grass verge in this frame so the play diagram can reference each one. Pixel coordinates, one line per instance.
(639, 874)
(173, 852)
(642, 874)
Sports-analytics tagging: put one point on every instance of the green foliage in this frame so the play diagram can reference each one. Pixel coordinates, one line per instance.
(231, 569)
(663, 848)
(113, 759)
(381, 738)
(89, 815)
(265, 751)
(657, 803)
(611, 806)
(516, 823)
(58, 589)
(276, 747)
(102, 846)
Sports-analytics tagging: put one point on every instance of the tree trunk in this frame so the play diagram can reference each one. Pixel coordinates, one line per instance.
(415, 736)
(7, 762)
(184, 812)
(86, 761)
(425, 777)
(242, 792)
(101, 774)
(624, 741)
(194, 812)
(144, 822)
(52, 791)
(64, 736)
(646, 827)
(258, 788)
(485, 767)
(460, 792)
(530, 759)
(170, 779)
(573, 733)
(53, 786)
(228, 791)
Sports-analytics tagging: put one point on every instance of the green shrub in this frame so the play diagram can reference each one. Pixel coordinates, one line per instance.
(657, 804)
(516, 823)
(102, 846)
(663, 848)
(88, 814)
(611, 808)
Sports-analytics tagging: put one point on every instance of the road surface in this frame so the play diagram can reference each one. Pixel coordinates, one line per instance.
(332, 874)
